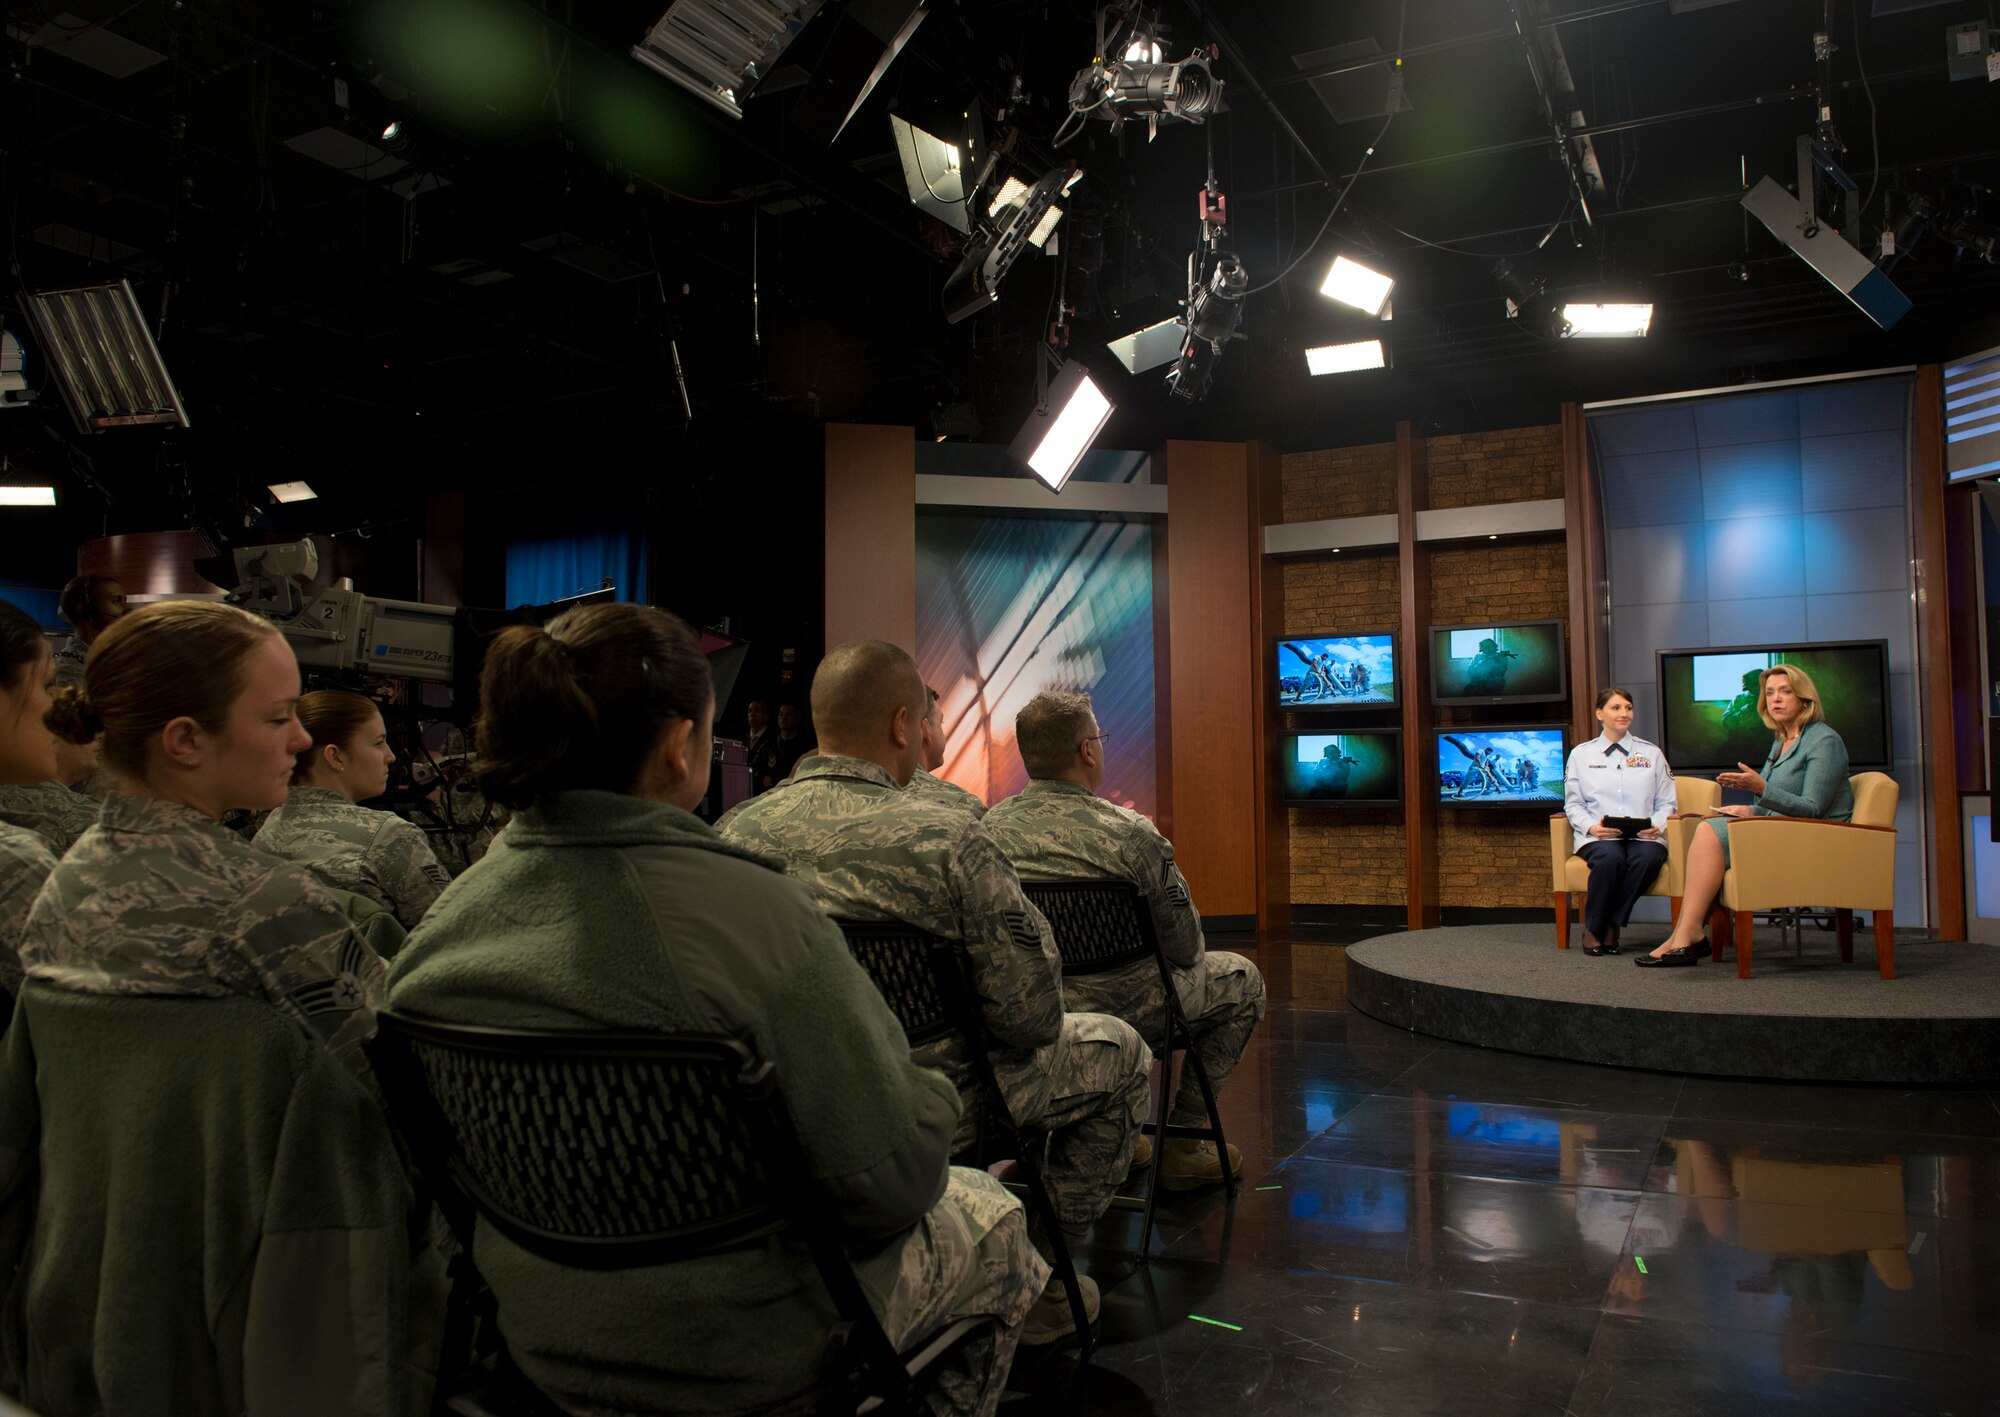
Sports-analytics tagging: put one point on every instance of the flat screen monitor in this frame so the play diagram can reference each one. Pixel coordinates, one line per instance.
(1336, 671)
(1709, 720)
(1519, 663)
(1362, 769)
(1501, 767)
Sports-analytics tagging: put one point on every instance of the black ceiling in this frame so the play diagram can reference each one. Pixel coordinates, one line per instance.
(493, 306)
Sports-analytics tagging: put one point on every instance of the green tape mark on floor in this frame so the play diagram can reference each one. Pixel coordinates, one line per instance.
(1200, 1319)
(1639, 1261)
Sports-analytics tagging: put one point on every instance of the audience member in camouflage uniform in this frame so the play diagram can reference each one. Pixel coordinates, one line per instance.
(924, 782)
(51, 811)
(89, 604)
(870, 852)
(27, 755)
(1059, 828)
(607, 904)
(322, 826)
(194, 700)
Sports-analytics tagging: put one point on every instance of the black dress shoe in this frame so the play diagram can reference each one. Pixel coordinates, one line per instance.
(1687, 954)
(1609, 947)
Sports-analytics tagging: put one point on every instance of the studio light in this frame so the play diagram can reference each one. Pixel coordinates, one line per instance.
(106, 364)
(1018, 216)
(1347, 358)
(1136, 84)
(27, 496)
(939, 172)
(718, 49)
(867, 36)
(1213, 312)
(1151, 347)
(1065, 422)
(1352, 283)
(1794, 220)
(292, 491)
(1606, 321)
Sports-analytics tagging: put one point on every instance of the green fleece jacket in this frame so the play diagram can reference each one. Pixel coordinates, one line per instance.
(596, 909)
(202, 1212)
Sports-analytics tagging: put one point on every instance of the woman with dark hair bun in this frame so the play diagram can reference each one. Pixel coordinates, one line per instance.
(27, 754)
(607, 904)
(323, 827)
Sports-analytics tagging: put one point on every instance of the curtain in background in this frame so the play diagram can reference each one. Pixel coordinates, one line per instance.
(544, 567)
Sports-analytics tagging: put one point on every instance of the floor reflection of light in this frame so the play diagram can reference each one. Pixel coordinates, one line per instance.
(1319, 1116)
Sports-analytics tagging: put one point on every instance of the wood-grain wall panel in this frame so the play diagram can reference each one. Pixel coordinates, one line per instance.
(871, 534)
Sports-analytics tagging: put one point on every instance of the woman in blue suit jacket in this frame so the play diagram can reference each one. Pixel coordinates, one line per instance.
(1804, 775)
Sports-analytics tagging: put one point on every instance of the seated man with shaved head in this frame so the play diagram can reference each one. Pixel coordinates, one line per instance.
(925, 782)
(847, 827)
(1058, 828)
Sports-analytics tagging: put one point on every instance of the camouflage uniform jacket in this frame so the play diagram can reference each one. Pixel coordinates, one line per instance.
(69, 661)
(158, 899)
(1061, 830)
(373, 854)
(933, 788)
(25, 862)
(57, 814)
(869, 852)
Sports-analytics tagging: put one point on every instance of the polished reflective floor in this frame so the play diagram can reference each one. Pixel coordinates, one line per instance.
(1427, 1228)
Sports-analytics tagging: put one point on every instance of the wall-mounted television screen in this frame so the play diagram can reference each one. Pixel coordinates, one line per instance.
(1709, 720)
(1501, 767)
(1342, 769)
(1497, 664)
(1336, 671)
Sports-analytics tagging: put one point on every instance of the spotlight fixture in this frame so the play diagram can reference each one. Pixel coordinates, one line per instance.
(1606, 321)
(1795, 221)
(96, 345)
(1352, 283)
(1525, 286)
(1214, 309)
(1149, 348)
(1136, 84)
(1018, 216)
(27, 496)
(1070, 411)
(718, 50)
(940, 172)
(291, 491)
(1347, 358)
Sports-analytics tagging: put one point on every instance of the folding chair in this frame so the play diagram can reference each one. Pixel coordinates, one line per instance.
(920, 977)
(1102, 925)
(611, 1151)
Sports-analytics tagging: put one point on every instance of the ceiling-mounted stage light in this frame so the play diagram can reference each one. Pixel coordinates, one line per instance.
(1606, 321)
(1352, 283)
(1018, 216)
(941, 169)
(1136, 84)
(1347, 358)
(1151, 347)
(1794, 220)
(1067, 419)
(95, 343)
(27, 496)
(1524, 284)
(291, 491)
(718, 50)
(1213, 313)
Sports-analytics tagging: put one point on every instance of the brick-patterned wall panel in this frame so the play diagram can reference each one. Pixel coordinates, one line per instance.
(1505, 465)
(1491, 858)
(1339, 482)
(1499, 580)
(1346, 857)
(1349, 593)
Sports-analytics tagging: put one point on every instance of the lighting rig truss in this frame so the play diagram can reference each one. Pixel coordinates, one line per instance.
(1128, 78)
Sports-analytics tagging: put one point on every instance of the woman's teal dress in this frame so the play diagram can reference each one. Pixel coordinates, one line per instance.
(1810, 781)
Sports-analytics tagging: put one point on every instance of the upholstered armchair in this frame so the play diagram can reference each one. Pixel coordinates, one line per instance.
(1776, 863)
(1570, 876)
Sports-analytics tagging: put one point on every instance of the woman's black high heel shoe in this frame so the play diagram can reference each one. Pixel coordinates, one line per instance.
(1686, 954)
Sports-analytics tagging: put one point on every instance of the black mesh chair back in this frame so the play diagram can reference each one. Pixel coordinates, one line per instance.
(614, 1151)
(1105, 924)
(1098, 925)
(920, 977)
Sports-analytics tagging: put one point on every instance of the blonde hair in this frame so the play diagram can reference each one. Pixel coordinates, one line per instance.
(1803, 690)
(173, 659)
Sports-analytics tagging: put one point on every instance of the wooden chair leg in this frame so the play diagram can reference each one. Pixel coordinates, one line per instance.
(1562, 920)
(1843, 934)
(1674, 910)
(1746, 921)
(1718, 930)
(1885, 943)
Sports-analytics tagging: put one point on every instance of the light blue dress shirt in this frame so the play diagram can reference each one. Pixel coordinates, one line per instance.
(1599, 782)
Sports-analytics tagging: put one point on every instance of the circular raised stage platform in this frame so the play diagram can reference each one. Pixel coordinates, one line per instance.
(1508, 986)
